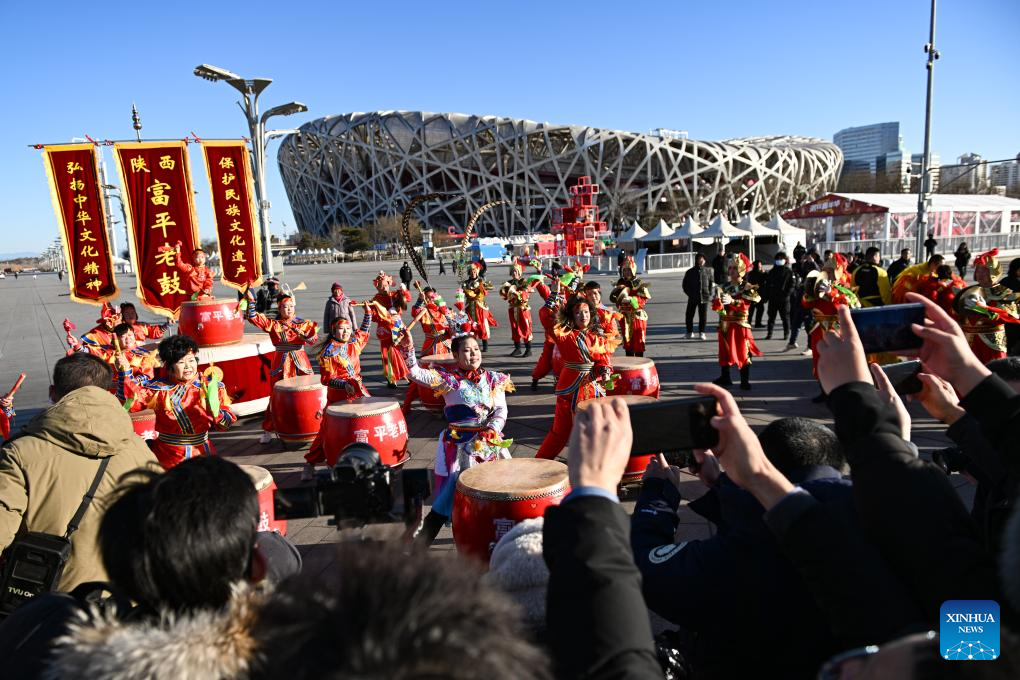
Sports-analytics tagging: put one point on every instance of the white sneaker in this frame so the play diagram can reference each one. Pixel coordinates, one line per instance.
(265, 438)
(806, 353)
(701, 336)
(308, 472)
(689, 336)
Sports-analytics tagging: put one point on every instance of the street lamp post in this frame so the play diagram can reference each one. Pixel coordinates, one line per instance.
(250, 90)
(923, 190)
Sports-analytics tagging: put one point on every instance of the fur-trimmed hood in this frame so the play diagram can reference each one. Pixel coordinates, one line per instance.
(208, 644)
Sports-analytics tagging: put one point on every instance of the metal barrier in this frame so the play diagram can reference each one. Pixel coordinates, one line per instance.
(669, 262)
(946, 245)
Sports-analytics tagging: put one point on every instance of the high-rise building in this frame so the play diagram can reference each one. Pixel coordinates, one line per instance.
(873, 158)
(1006, 175)
(916, 162)
(968, 176)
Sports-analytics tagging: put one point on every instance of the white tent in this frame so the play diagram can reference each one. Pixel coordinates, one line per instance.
(661, 232)
(787, 233)
(634, 232)
(754, 228)
(720, 228)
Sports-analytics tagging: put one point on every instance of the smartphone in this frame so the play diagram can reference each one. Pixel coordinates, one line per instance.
(887, 329)
(670, 425)
(903, 377)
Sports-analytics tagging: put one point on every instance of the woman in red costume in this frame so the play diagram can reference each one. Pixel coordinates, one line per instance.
(736, 341)
(143, 331)
(340, 368)
(436, 331)
(289, 335)
(630, 295)
(475, 289)
(187, 405)
(387, 317)
(586, 354)
(516, 292)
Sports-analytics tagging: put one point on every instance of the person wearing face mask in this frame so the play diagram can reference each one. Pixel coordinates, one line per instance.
(778, 285)
(475, 411)
(187, 405)
(587, 363)
(289, 335)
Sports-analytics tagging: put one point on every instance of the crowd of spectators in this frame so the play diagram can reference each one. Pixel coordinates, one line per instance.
(833, 551)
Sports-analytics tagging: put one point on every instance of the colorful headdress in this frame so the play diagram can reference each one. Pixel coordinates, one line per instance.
(108, 314)
(382, 278)
(462, 326)
(340, 321)
(835, 261)
(740, 261)
(476, 266)
(990, 260)
(517, 269)
(628, 263)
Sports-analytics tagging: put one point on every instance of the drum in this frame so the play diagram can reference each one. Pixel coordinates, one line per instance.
(371, 420)
(427, 395)
(212, 322)
(557, 361)
(637, 376)
(636, 465)
(144, 423)
(265, 486)
(246, 367)
(297, 409)
(492, 497)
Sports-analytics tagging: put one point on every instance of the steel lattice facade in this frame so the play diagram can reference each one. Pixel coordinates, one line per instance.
(355, 168)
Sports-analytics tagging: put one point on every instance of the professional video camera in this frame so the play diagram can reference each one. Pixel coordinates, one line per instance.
(358, 490)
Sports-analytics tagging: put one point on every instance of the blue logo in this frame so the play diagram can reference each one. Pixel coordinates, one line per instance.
(969, 630)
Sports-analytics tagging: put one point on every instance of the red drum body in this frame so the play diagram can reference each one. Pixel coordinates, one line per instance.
(246, 367)
(371, 420)
(298, 405)
(212, 322)
(492, 497)
(144, 423)
(557, 361)
(265, 486)
(637, 376)
(636, 465)
(428, 398)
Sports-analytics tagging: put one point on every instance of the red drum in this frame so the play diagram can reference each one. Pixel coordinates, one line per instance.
(265, 486)
(246, 366)
(637, 376)
(428, 398)
(212, 322)
(144, 423)
(557, 361)
(298, 404)
(372, 420)
(492, 497)
(636, 465)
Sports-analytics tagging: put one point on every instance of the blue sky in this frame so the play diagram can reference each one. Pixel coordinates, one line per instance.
(716, 69)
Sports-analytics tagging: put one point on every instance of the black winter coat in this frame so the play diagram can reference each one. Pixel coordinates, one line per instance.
(699, 282)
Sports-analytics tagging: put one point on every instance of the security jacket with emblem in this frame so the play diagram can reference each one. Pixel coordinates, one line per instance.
(750, 611)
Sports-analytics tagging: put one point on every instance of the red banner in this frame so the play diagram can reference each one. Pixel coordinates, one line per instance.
(74, 188)
(156, 186)
(230, 185)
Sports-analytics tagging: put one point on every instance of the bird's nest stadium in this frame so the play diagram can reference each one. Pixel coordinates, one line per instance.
(357, 167)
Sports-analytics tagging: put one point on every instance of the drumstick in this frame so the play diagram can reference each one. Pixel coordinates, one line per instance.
(17, 386)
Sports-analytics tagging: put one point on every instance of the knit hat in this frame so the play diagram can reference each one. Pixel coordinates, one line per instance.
(517, 568)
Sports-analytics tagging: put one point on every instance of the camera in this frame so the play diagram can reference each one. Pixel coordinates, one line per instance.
(358, 490)
(950, 460)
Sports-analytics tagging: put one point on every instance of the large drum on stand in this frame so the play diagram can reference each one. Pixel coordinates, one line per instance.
(427, 395)
(298, 405)
(494, 496)
(637, 376)
(265, 486)
(371, 420)
(246, 367)
(636, 465)
(144, 423)
(212, 322)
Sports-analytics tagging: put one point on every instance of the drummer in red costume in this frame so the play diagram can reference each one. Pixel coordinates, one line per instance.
(99, 337)
(824, 291)
(586, 355)
(736, 342)
(340, 368)
(198, 278)
(516, 292)
(607, 318)
(187, 405)
(289, 334)
(547, 316)
(143, 331)
(475, 289)
(128, 358)
(436, 331)
(983, 310)
(394, 368)
(630, 295)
